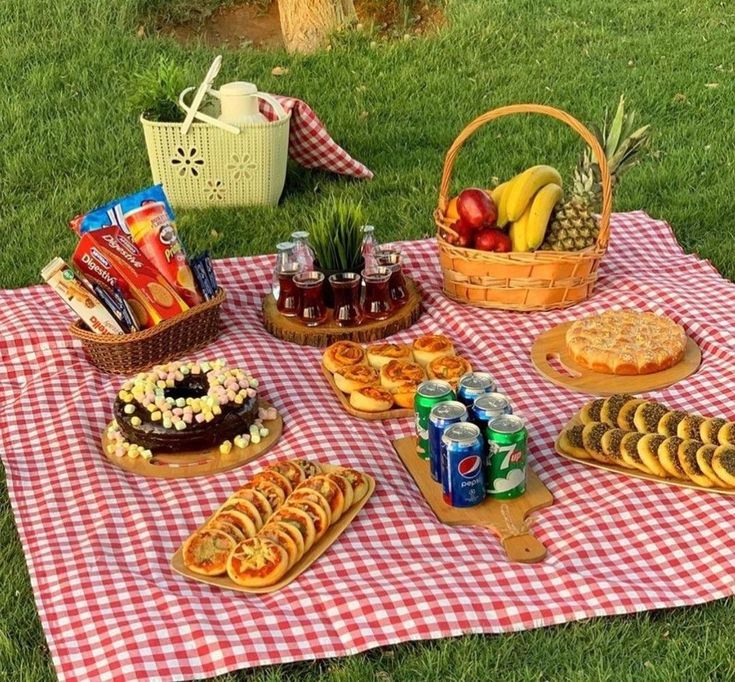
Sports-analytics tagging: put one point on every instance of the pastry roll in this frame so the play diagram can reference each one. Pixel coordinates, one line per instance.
(343, 354)
(349, 379)
(371, 399)
(397, 372)
(379, 354)
(448, 368)
(427, 348)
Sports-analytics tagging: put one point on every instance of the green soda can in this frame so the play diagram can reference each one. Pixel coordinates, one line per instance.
(428, 394)
(505, 469)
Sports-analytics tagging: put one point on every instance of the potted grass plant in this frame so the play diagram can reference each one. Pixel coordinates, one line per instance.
(335, 235)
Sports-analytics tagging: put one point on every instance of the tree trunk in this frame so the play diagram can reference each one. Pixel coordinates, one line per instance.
(306, 24)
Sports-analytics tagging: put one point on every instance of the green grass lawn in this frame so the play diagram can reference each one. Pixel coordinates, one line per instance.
(70, 141)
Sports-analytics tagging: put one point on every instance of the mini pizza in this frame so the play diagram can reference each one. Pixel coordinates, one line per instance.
(344, 485)
(317, 514)
(245, 507)
(431, 346)
(308, 467)
(357, 481)
(292, 471)
(218, 523)
(257, 562)
(329, 490)
(404, 395)
(276, 532)
(378, 354)
(371, 399)
(448, 368)
(359, 376)
(241, 521)
(291, 530)
(206, 551)
(343, 354)
(257, 498)
(300, 520)
(397, 372)
(273, 493)
(312, 496)
(274, 477)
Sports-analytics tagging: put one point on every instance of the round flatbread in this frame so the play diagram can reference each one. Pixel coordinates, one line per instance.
(590, 412)
(257, 562)
(668, 455)
(241, 521)
(687, 454)
(570, 441)
(358, 482)
(245, 507)
(318, 516)
(329, 490)
(312, 496)
(277, 533)
(592, 434)
(704, 459)
(344, 486)
(300, 520)
(258, 499)
(723, 462)
(205, 552)
(648, 451)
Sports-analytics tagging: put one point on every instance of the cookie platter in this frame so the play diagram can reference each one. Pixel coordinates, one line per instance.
(274, 527)
(291, 329)
(644, 439)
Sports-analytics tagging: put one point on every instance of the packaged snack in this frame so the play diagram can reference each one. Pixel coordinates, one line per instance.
(66, 284)
(117, 306)
(201, 266)
(108, 256)
(154, 233)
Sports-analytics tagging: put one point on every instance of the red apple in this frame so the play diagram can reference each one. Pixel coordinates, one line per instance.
(465, 234)
(476, 209)
(492, 239)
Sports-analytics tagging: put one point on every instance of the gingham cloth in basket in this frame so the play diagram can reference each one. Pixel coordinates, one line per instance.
(309, 143)
(98, 541)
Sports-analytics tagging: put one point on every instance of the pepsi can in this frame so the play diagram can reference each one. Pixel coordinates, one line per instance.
(442, 416)
(472, 385)
(487, 407)
(463, 465)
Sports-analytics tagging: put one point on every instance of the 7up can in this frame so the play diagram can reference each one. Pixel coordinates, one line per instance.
(505, 473)
(428, 394)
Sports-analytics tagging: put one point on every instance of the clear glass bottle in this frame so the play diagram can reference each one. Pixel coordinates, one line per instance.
(369, 247)
(302, 250)
(285, 259)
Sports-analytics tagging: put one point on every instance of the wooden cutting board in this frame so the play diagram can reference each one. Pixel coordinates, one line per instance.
(505, 518)
(197, 462)
(551, 345)
(635, 473)
(330, 537)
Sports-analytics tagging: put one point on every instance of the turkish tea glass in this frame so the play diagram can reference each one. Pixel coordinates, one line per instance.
(377, 304)
(288, 293)
(346, 292)
(312, 309)
(391, 259)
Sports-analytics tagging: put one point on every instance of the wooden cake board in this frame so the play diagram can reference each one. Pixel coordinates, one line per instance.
(291, 329)
(324, 543)
(505, 518)
(635, 473)
(344, 399)
(551, 344)
(200, 462)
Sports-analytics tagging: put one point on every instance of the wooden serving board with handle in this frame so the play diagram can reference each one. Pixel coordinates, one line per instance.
(505, 518)
(551, 345)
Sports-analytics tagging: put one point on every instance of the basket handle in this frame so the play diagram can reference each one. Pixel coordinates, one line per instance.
(604, 234)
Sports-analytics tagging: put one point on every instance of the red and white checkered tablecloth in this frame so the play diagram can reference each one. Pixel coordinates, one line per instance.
(98, 541)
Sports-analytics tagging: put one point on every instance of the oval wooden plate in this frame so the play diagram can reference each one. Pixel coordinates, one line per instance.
(551, 345)
(344, 399)
(635, 473)
(329, 538)
(290, 329)
(200, 462)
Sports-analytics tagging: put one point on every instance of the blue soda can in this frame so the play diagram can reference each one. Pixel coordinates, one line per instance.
(473, 385)
(442, 416)
(463, 465)
(487, 407)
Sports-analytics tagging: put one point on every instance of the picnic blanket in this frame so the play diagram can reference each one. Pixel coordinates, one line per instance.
(98, 541)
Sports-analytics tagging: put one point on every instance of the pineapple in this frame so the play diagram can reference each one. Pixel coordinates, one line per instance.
(573, 225)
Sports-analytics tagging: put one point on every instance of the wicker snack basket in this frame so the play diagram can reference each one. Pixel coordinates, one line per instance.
(528, 281)
(129, 353)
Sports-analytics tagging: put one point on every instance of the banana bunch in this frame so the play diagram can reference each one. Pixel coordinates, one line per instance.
(526, 203)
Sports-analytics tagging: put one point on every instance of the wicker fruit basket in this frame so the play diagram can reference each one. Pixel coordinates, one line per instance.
(528, 281)
(129, 353)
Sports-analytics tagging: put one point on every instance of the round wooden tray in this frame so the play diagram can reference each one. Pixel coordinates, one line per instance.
(290, 329)
(551, 345)
(197, 463)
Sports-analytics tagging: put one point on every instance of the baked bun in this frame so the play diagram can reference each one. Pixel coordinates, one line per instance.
(380, 353)
(592, 438)
(570, 441)
(371, 399)
(349, 379)
(590, 412)
(648, 450)
(626, 342)
(343, 354)
(723, 462)
(647, 416)
(448, 368)
(404, 394)
(668, 455)
(687, 454)
(397, 372)
(430, 346)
